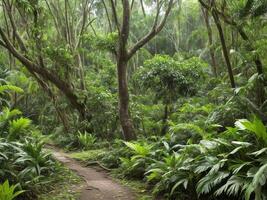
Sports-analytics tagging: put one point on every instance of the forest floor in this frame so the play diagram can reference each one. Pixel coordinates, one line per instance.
(98, 184)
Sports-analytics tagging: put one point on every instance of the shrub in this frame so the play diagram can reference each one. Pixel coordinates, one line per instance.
(185, 132)
(231, 165)
(18, 128)
(86, 140)
(227, 114)
(26, 164)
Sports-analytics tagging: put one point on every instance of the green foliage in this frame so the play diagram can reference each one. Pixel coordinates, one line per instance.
(12, 127)
(18, 128)
(104, 105)
(185, 133)
(103, 42)
(140, 150)
(8, 192)
(5, 116)
(6, 88)
(253, 8)
(231, 165)
(226, 114)
(26, 164)
(111, 158)
(136, 165)
(61, 53)
(256, 126)
(170, 79)
(86, 140)
(35, 159)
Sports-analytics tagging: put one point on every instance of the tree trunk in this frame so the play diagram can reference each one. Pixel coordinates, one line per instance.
(62, 85)
(211, 49)
(123, 55)
(259, 66)
(224, 48)
(165, 120)
(124, 113)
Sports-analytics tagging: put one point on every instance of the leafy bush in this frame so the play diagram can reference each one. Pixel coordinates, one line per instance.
(135, 165)
(185, 132)
(170, 79)
(229, 166)
(34, 158)
(5, 116)
(227, 114)
(18, 128)
(112, 157)
(5, 91)
(27, 164)
(86, 140)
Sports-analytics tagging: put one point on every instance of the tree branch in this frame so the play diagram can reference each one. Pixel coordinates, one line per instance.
(154, 31)
(115, 15)
(44, 73)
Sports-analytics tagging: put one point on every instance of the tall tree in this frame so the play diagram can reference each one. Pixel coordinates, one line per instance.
(249, 9)
(32, 55)
(124, 54)
(206, 16)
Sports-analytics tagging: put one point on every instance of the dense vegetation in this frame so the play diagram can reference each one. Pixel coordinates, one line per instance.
(171, 93)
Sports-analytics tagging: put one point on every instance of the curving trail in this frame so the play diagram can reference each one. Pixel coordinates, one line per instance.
(99, 186)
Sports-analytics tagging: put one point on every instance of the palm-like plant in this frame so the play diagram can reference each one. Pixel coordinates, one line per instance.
(18, 127)
(219, 168)
(255, 126)
(8, 192)
(5, 116)
(34, 158)
(5, 91)
(135, 165)
(86, 140)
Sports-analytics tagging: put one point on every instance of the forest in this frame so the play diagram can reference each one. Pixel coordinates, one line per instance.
(133, 99)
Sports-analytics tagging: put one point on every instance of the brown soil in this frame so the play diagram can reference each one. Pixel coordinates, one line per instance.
(99, 186)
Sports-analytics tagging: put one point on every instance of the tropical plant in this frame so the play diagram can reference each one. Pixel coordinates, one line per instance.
(26, 164)
(170, 79)
(35, 160)
(8, 192)
(231, 166)
(5, 116)
(18, 128)
(255, 126)
(5, 90)
(86, 140)
(135, 165)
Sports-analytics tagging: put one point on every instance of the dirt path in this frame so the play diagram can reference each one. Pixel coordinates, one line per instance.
(99, 186)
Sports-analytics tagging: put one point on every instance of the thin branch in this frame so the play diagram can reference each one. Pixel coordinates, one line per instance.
(143, 7)
(8, 7)
(154, 31)
(3, 44)
(115, 15)
(84, 18)
(53, 16)
(106, 10)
